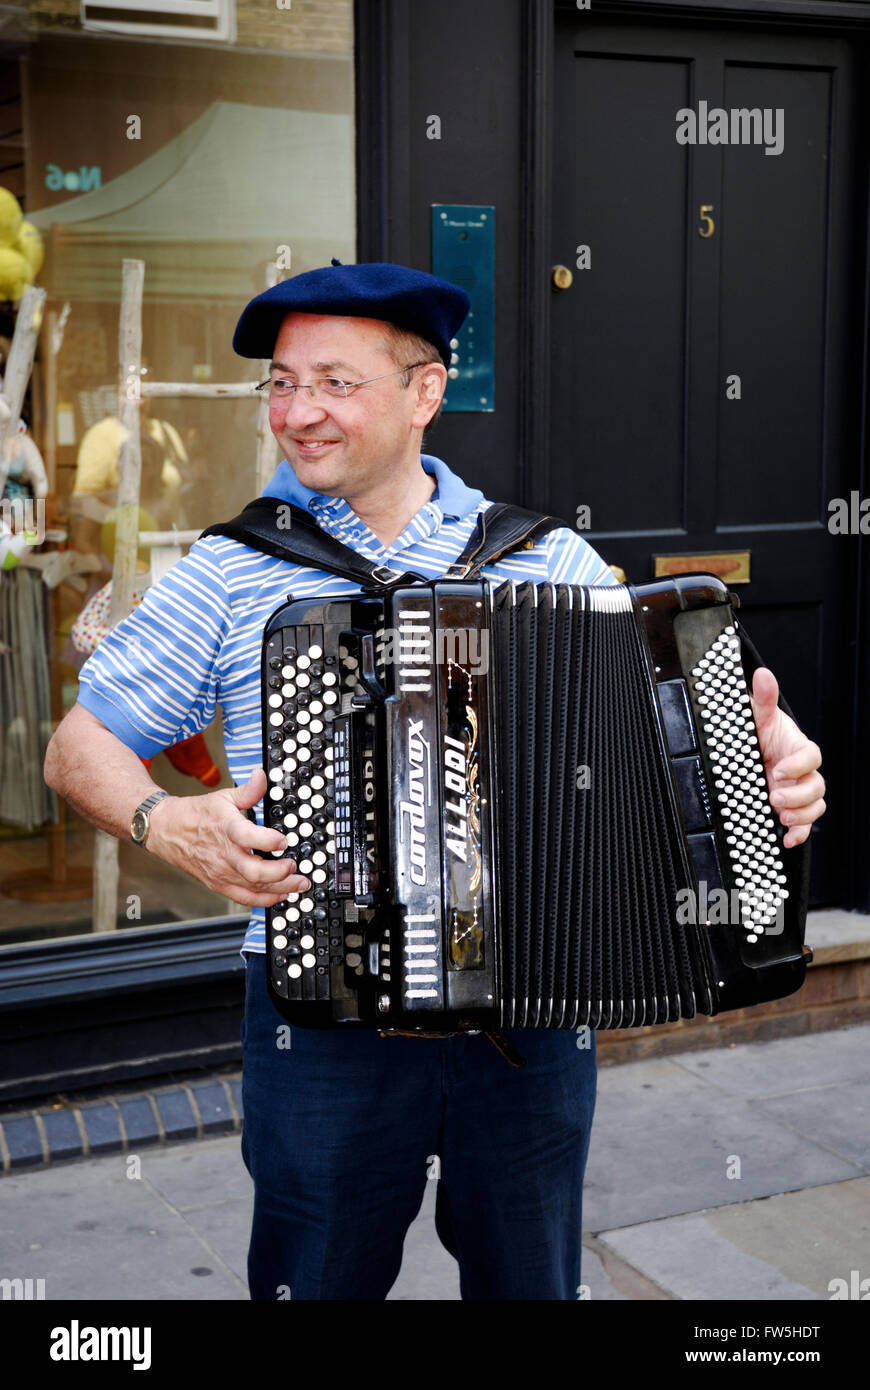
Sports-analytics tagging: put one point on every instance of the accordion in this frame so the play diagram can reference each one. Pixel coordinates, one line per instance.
(531, 805)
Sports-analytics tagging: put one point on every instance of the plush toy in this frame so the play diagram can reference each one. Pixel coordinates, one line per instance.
(15, 274)
(21, 249)
(29, 243)
(11, 217)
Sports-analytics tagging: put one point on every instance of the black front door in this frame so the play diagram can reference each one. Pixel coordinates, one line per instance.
(704, 383)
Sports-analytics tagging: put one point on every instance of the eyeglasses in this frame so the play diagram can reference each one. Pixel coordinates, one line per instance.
(329, 385)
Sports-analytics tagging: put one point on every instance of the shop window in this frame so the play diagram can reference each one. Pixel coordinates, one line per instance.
(201, 161)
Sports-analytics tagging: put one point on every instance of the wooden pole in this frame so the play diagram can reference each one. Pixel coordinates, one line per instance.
(130, 457)
(56, 325)
(50, 432)
(267, 444)
(179, 390)
(20, 364)
(106, 870)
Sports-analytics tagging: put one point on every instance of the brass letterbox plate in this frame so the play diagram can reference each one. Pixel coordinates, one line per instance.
(730, 565)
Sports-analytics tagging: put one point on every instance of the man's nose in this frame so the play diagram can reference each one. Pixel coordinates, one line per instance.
(298, 410)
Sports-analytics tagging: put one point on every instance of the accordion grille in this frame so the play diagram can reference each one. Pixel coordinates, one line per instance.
(574, 711)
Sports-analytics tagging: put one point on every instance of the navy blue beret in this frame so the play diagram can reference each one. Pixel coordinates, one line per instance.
(410, 299)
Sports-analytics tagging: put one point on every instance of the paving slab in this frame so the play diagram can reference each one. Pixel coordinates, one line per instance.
(789, 1247)
(93, 1233)
(836, 1117)
(665, 1140)
(225, 1227)
(429, 1272)
(197, 1174)
(781, 1067)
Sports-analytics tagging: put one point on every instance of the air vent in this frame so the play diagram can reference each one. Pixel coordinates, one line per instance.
(166, 19)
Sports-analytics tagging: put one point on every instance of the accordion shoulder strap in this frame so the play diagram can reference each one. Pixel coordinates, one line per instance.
(277, 527)
(500, 529)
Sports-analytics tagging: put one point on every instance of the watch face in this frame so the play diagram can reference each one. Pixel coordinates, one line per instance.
(140, 825)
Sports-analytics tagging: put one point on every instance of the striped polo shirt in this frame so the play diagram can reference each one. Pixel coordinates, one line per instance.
(195, 640)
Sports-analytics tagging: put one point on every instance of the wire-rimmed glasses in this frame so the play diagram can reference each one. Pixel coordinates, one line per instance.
(331, 386)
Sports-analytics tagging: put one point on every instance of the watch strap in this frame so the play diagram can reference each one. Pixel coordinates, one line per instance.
(144, 808)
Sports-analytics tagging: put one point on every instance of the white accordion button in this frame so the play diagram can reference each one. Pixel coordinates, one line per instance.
(279, 942)
(315, 653)
(308, 960)
(306, 942)
(294, 971)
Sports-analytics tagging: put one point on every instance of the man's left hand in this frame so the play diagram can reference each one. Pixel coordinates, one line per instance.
(791, 761)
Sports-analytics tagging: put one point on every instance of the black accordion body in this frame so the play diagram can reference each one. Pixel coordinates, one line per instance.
(525, 807)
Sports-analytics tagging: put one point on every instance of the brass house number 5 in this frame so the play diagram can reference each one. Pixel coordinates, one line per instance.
(710, 226)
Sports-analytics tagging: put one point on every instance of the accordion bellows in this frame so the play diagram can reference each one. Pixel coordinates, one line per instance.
(535, 806)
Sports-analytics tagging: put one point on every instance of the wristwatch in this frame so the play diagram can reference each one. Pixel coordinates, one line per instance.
(139, 823)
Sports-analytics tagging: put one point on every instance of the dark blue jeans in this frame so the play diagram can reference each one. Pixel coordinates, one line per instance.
(340, 1135)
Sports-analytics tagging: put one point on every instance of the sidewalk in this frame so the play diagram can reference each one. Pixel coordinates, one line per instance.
(789, 1119)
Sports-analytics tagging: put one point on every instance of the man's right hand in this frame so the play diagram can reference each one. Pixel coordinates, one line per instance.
(211, 838)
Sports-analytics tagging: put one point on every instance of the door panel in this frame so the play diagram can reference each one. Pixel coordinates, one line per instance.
(644, 341)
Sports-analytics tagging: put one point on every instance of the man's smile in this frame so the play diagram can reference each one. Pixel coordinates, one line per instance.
(314, 447)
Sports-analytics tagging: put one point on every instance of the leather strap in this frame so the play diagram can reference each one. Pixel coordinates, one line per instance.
(498, 1040)
(280, 528)
(265, 525)
(500, 529)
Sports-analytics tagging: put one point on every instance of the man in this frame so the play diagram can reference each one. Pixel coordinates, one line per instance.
(341, 1131)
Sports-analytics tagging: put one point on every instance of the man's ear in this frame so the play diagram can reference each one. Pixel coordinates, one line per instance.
(431, 382)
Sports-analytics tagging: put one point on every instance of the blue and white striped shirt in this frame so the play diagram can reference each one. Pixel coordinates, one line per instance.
(195, 640)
